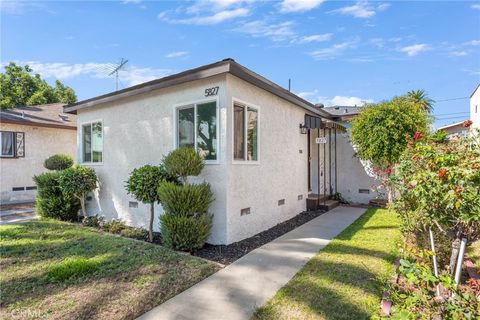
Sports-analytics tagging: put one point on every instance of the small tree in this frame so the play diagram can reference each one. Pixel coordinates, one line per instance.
(183, 162)
(58, 161)
(380, 133)
(78, 181)
(143, 184)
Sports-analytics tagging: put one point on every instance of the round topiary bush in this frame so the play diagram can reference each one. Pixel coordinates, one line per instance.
(186, 233)
(187, 200)
(183, 162)
(51, 202)
(58, 161)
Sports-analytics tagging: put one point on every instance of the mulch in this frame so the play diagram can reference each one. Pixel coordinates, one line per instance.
(226, 254)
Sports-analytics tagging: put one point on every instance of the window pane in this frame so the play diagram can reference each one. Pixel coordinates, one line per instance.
(97, 142)
(238, 132)
(186, 127)
(87, 142)
(207, 130)
(7, 144)
(252, 134)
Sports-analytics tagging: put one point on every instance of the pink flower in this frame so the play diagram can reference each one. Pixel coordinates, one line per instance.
(417, 135)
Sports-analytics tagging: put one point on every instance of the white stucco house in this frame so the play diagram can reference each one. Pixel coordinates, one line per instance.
(28, 136)
(260, 142)
(475, 108)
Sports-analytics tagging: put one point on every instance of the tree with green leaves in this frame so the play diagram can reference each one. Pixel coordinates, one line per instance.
(143, 184)
(19, 86)
(78, 181)
(421, 99)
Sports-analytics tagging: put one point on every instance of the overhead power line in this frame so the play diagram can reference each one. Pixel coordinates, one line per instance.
(451, 99)
(447, 114)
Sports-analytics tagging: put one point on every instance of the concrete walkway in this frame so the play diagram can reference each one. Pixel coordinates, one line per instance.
(18, 213)
(237, 290)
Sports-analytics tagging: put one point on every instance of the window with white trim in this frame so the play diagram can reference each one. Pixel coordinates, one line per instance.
(12, 144)
(197, 127)
(245, 132)
(92, 142)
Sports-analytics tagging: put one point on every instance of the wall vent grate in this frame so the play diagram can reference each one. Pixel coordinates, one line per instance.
(281, 202)
(300, 197)
(133, 204)
(244, 211)
(367, 191)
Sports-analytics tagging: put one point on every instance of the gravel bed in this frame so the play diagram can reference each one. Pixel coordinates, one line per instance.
(226, 254)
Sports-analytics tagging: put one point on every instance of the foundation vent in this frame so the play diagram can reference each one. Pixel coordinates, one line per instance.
(300, 197)
(245, 211)
(367, 191)
(281, 202)
(31, 188)
(133, 204)
(18, 189)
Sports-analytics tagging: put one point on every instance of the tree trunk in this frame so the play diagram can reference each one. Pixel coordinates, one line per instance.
(454, 256)
(150, 229)
(82, 204)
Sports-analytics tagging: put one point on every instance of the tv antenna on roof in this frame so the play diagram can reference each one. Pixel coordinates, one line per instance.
(116, 69)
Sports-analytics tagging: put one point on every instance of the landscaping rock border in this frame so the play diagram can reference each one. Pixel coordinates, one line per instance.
(226, 254)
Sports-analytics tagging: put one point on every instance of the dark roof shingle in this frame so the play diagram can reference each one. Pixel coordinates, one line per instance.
(46, 115)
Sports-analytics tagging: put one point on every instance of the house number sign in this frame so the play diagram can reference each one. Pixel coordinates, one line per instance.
(321, 140)
(211, 91)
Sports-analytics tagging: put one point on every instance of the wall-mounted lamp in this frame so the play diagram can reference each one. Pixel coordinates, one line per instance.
(303, 129)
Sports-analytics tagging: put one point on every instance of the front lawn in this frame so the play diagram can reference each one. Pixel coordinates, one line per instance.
(58, 270)
(345, 279)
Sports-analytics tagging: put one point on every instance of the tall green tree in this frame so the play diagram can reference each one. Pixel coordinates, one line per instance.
(19, 86)
(421, 99)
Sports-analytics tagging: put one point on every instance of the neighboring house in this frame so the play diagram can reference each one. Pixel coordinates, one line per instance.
(258, 140)
(455, 129)
(28, 136)
(475, 108)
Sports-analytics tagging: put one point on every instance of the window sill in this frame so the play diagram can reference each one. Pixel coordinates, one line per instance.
(246, 162)
(92, 163)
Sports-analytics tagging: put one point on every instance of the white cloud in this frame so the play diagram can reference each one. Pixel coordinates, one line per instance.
(378, 42)
(131, 1)
(215, 5)
(209, 19)
(335, 101)
(473, 43)
(348, 101)
(475, 6)
(459, 53)
(18, 7)
(176, 54)
(361, 9)
(316, 38)
(276, 32)
(131, 75)
(299, 5)
(415, 49)
(333, 51)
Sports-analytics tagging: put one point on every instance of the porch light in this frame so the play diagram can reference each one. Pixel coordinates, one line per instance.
(303, 129)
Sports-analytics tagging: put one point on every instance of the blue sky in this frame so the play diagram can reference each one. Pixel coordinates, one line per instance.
(335, 52)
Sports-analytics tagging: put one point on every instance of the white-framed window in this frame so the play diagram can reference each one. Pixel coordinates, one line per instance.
(245, 132)
(197, 127)
(92, 142)
(12, 144)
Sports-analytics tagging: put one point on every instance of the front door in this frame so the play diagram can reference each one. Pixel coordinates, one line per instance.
(309, 162)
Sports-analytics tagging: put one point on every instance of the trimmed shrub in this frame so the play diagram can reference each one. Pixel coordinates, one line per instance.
(51, 202)
(187, 200)
(114, 226)
(183, 162)
(143, 184)
(135, 233)
(185, 233)
(78, 181)
(58, 161)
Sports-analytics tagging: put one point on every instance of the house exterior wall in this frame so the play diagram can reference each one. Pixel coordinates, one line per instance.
(352, 174)
(40, 143)
(475, 109)
(141, 130)
(280, 173)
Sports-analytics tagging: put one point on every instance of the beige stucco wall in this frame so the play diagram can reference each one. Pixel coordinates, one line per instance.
(40, 143)
(140, 130)
(280, 173)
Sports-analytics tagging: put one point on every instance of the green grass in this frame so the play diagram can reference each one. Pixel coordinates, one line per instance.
(474, 253)
(57, 270)
(345, 279)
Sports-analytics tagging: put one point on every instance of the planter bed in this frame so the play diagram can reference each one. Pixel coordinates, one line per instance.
(226, 254)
